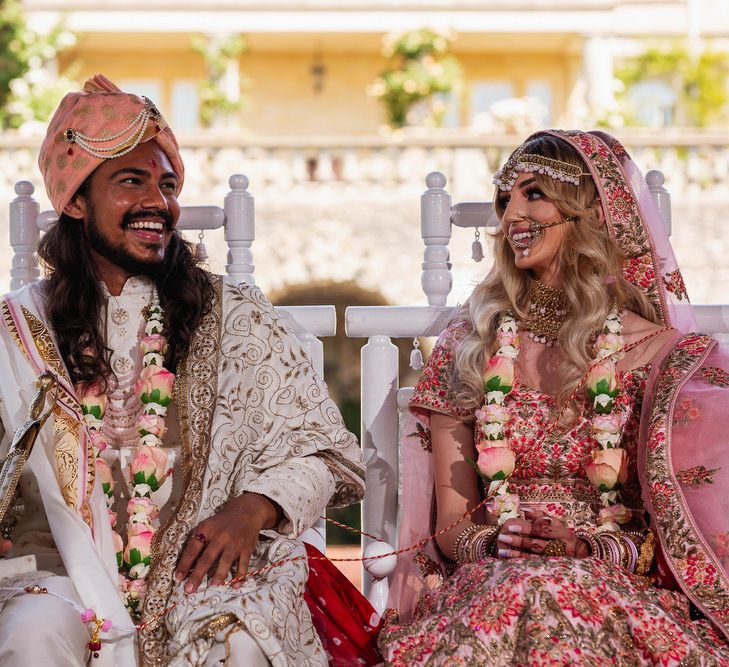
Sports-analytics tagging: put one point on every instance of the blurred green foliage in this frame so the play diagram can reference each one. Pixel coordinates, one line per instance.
(30, 89)
(420, 69)
(221, 93)
(700, 82)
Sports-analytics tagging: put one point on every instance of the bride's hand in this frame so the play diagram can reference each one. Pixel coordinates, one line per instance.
(531, 535)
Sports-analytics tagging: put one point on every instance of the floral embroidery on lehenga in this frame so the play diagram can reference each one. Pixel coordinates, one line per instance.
(558, 611)
(697, 475)
(686, 411)
(696, 565)
(715, 376)
(675, 285)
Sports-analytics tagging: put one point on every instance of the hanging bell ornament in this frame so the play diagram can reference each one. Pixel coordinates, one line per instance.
(201, 252)
(477, 248)
(416, 357)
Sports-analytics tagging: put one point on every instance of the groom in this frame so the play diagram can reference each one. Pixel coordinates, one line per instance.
(191, 442)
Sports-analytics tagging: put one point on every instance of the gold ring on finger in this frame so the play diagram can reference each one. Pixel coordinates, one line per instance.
(555, 549)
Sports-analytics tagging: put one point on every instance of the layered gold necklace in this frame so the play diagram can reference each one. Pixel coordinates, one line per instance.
(548, 310)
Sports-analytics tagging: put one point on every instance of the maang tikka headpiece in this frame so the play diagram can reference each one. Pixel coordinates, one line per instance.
(529, 163)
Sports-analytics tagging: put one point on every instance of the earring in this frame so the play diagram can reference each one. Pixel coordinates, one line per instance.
(416, 357)
(201, 252)
(477, 248)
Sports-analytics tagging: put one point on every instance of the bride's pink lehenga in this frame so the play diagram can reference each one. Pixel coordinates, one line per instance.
(549, 611)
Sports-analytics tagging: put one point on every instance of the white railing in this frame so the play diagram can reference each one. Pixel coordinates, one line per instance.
(382, 397)
(237, 216)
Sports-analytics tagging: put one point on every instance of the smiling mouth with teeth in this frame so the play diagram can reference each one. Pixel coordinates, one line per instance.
(525, 238)
(147, 225)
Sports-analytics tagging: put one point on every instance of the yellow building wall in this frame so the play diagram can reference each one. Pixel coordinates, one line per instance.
(280, 94)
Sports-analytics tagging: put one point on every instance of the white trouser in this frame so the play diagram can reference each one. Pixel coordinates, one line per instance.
(42, 630)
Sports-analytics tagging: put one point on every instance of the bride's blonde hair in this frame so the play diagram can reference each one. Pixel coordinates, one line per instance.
(591, 271)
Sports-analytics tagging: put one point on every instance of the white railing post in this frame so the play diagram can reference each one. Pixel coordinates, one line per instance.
(655, 180)
(239, 229)
(435, 225)
(380, 381)
(24, 235)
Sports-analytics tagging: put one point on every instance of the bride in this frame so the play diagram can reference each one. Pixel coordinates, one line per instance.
(564, 410)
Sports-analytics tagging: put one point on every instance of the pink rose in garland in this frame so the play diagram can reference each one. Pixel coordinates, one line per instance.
(155, 343)
(93, 407)
(602, 386)
(118, 547)
(104, 473)
(148, 469)
(98, 440)
(498, 378)
(154, 389)
(608, 344)
(141, 510)
(496, 463)
(152, 425)
(137, 555)
(608, 469)
(615, 514)
(137, 591)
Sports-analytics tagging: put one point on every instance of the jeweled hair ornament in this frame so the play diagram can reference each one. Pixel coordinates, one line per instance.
(128, 137)
(529, 163)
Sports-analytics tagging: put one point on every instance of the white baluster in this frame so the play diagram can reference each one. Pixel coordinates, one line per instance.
(380, 382)
(379, 567)
(239, 229)
(655, 181)
(24, 235)
(435, 226)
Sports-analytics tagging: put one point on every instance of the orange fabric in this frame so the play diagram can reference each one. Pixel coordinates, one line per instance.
(101, 110)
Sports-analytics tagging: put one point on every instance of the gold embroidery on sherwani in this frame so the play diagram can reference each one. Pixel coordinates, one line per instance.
(349, 491)
(195, 393)
(66, 430)
(66, 433)
(215, 625)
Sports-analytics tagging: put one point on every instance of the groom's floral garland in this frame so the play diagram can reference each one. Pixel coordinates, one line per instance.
(148, 468)
(607, 467)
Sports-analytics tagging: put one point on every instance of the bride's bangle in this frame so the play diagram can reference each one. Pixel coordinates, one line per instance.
(475, 543)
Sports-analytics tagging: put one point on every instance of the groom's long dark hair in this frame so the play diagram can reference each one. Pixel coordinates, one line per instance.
(74, 300)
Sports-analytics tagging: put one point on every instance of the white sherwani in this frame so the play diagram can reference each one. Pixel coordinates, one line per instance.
(252, 416)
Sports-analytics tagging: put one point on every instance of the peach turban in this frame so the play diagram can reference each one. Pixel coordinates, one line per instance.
(99, 124)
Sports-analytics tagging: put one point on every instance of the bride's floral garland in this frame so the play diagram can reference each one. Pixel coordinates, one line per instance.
(607, 467)
(148, 469)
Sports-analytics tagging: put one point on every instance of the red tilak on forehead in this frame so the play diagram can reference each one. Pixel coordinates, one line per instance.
(153, 163)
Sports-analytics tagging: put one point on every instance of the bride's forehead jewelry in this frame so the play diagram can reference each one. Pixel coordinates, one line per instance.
(528, 163)
(526, 239)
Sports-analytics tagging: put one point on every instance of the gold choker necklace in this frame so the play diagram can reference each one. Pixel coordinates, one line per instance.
(548, 311)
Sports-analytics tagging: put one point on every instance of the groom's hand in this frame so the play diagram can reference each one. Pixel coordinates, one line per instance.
(228, 537)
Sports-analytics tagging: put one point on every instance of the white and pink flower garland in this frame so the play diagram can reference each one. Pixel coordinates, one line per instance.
(148, 469)
(607, 468)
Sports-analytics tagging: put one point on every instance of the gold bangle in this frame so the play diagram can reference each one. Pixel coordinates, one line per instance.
(647, 552)
(461, 540)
